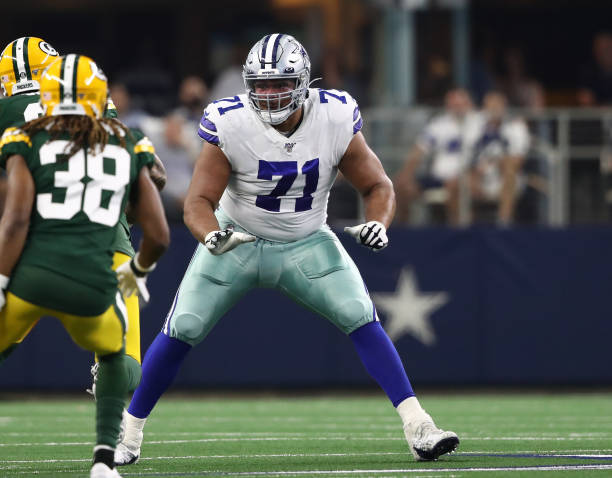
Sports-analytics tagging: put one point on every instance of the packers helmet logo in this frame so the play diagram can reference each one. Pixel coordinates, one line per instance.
(48, 49)
(95, 73)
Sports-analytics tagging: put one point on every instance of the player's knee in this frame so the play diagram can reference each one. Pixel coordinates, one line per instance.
(189, 328)
(354, 313)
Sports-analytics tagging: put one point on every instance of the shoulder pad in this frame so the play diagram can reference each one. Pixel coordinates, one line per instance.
(14, 135)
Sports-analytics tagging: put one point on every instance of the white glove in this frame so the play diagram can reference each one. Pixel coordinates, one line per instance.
(4, 280)
(132, 277)
(218, 242)
(372, 234)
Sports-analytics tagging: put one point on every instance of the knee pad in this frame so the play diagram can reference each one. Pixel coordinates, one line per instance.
(354, 313)
(189, 328)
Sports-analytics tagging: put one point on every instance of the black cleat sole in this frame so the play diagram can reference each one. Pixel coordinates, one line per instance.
(131, 462)
(447, 445)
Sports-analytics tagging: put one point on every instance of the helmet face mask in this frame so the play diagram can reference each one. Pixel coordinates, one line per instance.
(22, 63)
(276, 57)
(73, 85)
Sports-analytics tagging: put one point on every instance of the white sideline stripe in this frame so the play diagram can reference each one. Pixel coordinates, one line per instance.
(340, 436)
(373, 472)
(292, 455)
(552, 453)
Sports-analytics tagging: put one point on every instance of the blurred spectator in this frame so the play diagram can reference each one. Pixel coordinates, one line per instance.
(482, 78)
(499, 154)
(436, 80)
(606, 165)
(193, 95)
(172, 150)
(514, 81)
(129, 115)
(229, 82)
(596, 79)
(446, 141)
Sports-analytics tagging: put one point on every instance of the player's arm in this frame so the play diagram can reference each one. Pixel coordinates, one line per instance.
(16, 217)
(148, 211)
(364, 171)
(158, 173)
(210, 177)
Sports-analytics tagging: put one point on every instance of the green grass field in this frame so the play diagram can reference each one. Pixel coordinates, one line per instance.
(514, 435)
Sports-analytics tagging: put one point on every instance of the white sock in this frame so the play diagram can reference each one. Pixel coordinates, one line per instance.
(412, 413)
(133, 429)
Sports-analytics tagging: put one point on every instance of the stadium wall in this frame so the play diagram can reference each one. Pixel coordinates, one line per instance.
(477, 306)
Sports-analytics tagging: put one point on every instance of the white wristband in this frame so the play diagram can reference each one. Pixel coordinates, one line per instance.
(4, 280)
(141, 269)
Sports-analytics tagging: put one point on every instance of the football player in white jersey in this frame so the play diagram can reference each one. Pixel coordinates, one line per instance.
(257, 204)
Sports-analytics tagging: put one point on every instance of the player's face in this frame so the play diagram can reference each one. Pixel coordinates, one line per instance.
(278, 93)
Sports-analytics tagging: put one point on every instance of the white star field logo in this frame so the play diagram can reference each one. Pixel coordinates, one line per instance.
(408, 310)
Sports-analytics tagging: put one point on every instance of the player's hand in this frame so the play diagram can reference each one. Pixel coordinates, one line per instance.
(4, 280)
(372, 234)
(132, 278)
(218, 242)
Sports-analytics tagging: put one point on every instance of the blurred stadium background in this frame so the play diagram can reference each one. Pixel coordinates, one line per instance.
(526, 304)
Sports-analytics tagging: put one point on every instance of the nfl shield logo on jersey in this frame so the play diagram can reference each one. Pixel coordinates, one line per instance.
(289, 147)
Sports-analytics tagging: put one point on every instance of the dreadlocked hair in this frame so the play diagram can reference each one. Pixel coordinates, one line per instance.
(85, 132)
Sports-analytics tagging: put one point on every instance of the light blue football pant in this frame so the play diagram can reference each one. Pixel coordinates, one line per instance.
(315, 272)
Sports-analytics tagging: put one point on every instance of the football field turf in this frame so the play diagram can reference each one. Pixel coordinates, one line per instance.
(517, 435)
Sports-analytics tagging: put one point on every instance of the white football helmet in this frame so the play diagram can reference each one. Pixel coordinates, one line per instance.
(277, 56)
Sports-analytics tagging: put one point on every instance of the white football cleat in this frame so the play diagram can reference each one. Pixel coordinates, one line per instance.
(100, 470)
(427, 442)
(94, 379)
(126, 455)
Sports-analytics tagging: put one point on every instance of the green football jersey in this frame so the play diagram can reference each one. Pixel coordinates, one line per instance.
(75, 217)
(16, 110)
(122, 240)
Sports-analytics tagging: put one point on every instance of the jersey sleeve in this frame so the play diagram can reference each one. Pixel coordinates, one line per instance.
(111, 110)
(208, 130)
(343, 112)
(143, 149)
(14, 141)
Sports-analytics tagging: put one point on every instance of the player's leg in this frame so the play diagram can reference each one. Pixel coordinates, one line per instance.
(104, 335)
(211, 285)
(321, 276)
(17, 318)
(132, 336)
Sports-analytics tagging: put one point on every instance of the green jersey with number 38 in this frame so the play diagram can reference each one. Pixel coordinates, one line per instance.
(18, 109)
(75, 215)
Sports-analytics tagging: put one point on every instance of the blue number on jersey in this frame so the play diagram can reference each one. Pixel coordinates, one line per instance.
(235, 99)
(288, 171)
(322, 98)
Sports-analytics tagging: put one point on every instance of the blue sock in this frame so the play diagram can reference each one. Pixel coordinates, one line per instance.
(382, 361)
(159, 367)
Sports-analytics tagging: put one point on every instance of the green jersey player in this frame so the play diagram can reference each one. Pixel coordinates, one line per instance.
(70, 176)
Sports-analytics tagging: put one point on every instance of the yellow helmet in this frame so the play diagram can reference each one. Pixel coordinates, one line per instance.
(73, 85)
(22, 63)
